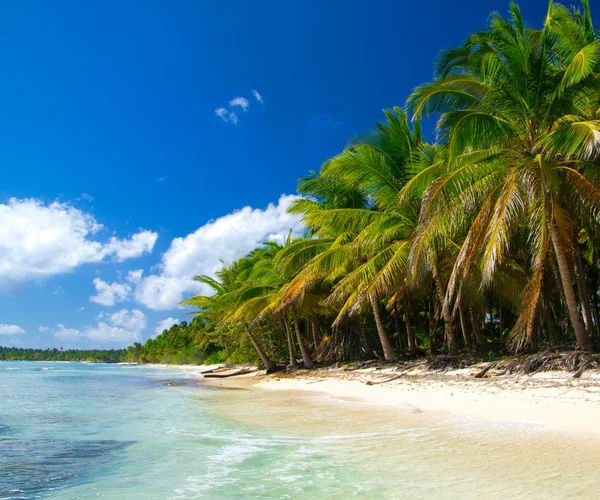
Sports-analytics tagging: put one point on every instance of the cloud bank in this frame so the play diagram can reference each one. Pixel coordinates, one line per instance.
(226, 238)
(10, 329)
(123, 327)
(38, 241)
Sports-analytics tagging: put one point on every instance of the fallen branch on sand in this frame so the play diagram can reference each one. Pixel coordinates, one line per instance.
(371, 382)
(243, 371)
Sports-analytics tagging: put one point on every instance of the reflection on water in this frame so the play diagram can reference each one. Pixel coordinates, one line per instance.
(75, 432)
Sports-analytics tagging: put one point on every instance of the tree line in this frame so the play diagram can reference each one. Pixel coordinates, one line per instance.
(92, 355)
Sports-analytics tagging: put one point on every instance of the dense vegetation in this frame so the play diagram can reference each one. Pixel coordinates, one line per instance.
(173, 346)
(96, 355)
(485, 239)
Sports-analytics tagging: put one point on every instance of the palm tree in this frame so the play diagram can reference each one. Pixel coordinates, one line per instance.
(519, 125)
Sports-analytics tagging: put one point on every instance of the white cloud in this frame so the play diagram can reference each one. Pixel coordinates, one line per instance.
(86, 197)
(221, 113)
(122, 327)
(80, 309)
(233, 118)
(10, 329)
(63, 333)
(200, 252)
(110, 294)
(59, 290)
(165, 324)
(134, 276)
(242, 102)
(137, 245)
(257, 96)
(38, 241)
(44, 329)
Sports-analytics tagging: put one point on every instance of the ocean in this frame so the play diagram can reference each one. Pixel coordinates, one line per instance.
(83, 431)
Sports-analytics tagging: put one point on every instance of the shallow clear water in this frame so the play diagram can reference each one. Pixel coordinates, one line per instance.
(77, 431)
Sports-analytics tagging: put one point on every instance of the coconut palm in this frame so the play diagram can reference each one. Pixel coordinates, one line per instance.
(519, 125)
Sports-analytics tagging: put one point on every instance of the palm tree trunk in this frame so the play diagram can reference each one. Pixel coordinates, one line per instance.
(463, 327)
(308, 362)
(410, 334)
(290, 342)
(388, 351)
(315, 332)
(399, 330)
(447, 315)
(585, 301)
(596, 330)
(475, 323)
(269, 365)
(364, 339)
(434, 317)
(583, 339)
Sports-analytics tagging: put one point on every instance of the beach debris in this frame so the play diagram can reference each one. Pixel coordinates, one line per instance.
(242, 371)
(551, 359)
(371, 382)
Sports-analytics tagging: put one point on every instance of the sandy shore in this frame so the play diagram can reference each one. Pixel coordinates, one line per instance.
(553, 400)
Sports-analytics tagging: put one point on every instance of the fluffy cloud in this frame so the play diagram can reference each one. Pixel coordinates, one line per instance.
(226, 238)
(110, 294)
(122, 327)
(165, 324)
(10, 329)
(138, 244)
(257, 96)
(38, 241)
(242, 102)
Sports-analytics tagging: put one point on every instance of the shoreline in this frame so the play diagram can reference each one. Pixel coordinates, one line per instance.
(550, 401)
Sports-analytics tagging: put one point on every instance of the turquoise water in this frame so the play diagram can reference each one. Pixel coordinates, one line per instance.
(77, 431)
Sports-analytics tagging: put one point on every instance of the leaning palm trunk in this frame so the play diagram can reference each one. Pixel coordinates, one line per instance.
(316, 344)
(446, 314)
(585, 301)
(269, 365)
(290, 342)
(583, 339)
(463, 327)
(308, 362)
(388, 351)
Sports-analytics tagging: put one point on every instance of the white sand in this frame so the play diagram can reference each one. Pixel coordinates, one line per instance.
(554, 400)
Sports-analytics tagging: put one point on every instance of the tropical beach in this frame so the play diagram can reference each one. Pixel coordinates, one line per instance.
(420, 318)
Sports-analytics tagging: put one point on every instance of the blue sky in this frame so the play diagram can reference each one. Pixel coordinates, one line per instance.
(108, 130)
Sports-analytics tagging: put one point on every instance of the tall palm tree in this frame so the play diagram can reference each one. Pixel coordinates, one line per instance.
(519, 123)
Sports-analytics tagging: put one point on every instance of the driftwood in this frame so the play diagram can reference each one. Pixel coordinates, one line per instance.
(371, 382)
(486, 369)
(211, 370)
(243, 371)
